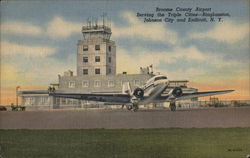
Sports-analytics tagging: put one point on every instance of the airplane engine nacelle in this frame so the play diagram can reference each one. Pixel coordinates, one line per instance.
(177, 92)
(138, 93)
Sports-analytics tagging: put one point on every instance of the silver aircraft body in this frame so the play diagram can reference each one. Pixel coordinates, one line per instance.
(151, 92)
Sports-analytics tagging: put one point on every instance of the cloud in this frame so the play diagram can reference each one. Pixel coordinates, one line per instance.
(38, 72)
(240, 84)
(60, 28)
(8, 48)
(197, 64)
(12, 75)
(22, 28)
(137, 28)
(228, 32)
(57, 28)
(145, 58)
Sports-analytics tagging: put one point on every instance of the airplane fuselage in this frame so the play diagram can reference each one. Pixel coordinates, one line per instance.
(153, 88)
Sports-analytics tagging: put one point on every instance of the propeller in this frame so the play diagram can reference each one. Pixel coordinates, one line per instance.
(177, 92)
(138, 93)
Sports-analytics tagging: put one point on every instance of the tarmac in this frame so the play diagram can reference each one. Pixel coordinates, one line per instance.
(124, 119)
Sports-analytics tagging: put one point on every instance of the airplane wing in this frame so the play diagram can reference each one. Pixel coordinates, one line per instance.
(109, 98)
(201, 94)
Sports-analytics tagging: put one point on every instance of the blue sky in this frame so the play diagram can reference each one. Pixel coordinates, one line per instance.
(38, 40)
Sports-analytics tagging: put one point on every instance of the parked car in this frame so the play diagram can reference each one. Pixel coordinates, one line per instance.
(3, 108)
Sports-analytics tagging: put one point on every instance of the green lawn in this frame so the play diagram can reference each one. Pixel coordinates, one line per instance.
(126, 143)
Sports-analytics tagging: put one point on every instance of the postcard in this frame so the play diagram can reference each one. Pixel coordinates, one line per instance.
(125, 78)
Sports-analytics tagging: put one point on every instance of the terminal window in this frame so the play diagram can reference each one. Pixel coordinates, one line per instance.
(85, 59)
(111, 83)
(63, 101)
(97, 83)
(85, 83)
(97, 47)
(72, 84)
(109, 70)
(44, 100)
(97, 59)
(85, 48)
(137, 83)
(97, 71)
(85, 71)
(123, 82)
(27, 100)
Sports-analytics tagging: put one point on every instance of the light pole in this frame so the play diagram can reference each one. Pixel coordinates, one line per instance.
(17, 95)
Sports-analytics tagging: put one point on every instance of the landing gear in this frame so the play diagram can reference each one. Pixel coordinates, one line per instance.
(172, 106)
(129, 107)
(135, 108)
(132, 107)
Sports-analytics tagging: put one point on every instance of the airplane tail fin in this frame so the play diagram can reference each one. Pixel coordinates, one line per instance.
(126, 88)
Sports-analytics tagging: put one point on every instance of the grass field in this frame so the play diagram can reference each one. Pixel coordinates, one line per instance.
(126, 143)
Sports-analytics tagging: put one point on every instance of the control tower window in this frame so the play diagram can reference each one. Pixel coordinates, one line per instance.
(97, 59)
(97, 71)
(110, 48)
(97, 47)
(85, 48)
(85, 71)
(85, 59)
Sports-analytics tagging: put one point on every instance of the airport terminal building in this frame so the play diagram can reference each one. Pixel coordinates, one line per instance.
(95, 73)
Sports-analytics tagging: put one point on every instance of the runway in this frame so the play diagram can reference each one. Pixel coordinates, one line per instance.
(116, 119)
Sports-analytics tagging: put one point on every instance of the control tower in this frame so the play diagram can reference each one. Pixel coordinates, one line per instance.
(96, 53)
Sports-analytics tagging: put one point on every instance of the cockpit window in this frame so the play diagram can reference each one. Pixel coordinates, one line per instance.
(160, 78)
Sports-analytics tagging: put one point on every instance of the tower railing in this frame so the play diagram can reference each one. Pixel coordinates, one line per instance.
(96, 27)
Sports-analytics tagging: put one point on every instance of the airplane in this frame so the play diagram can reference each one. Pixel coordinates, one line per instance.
(150, 92)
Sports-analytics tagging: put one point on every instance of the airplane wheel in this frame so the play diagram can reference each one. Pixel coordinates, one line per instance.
(129, 107)
(135, 108)
(172, 106)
